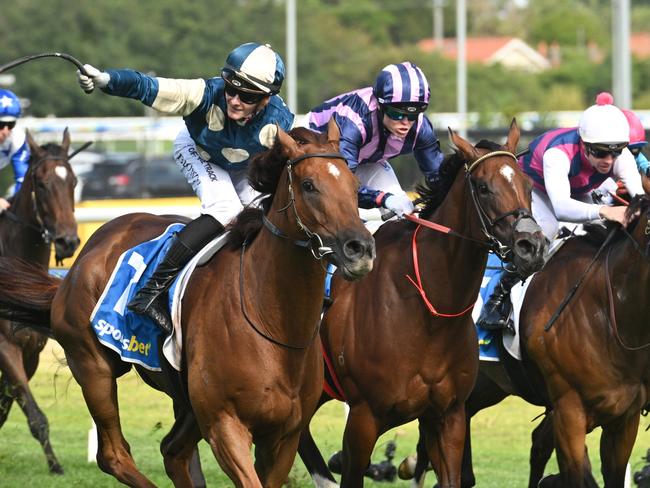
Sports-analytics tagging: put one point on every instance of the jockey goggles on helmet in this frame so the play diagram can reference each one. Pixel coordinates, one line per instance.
(603, 150)
(408, 111)
(5, 123)
(236, 86)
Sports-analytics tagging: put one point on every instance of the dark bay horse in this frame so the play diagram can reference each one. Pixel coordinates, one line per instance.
(41, 213)
(402, 341)
(251, 353)
(592, 367)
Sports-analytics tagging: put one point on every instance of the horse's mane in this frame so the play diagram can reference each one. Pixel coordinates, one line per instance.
(432, 195)
(264, 172)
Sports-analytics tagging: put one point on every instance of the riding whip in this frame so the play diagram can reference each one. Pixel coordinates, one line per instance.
(25, 59)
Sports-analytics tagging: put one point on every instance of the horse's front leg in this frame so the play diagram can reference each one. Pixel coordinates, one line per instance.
(17, 371)
(359, 439)
(445, 440)
(541, 449)
(570, 431)
(274, 457)
(231, 441)
(180, 453)
(616, 444)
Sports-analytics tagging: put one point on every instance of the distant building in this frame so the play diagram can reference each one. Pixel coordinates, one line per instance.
(510, 52)
(640, 45)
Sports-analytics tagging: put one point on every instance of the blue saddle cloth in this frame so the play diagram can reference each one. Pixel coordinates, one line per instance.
(488, 350)
(134, 337)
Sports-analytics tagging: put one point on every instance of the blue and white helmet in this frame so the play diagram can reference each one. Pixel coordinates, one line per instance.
(402, 86)
(254, 67)
(9, 106)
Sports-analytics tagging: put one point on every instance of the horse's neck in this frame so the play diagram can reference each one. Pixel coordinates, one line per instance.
(21, 238)
(460, 261)
(289, 284)
(628, 273)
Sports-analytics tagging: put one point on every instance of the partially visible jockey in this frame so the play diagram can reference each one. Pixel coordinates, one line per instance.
(13, 146)
(565, 166)
(228, 119)
(637, 141)
(379, 123)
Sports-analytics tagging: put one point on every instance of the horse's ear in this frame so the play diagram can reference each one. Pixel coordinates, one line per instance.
(333, 132)
(33, 146)
(65, 145)
(513, 137)
(465, 147)
(289, 146)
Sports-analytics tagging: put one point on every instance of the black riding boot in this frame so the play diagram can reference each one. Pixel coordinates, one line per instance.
(150, 299)
(495, 314)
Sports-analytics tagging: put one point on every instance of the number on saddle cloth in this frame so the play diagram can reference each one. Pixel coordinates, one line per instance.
(488, 349)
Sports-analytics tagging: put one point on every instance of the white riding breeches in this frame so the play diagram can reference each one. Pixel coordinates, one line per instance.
(223, 194)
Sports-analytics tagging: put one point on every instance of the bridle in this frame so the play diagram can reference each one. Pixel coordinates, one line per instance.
(487, 224)
(314, 242)
(41, 228)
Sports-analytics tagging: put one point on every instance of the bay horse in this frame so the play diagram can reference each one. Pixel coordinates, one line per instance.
(402, 343)
(41, 214)
(251, 355)
(591, 368)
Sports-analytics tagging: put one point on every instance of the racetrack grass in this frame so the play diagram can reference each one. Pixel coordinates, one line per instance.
(501, 437)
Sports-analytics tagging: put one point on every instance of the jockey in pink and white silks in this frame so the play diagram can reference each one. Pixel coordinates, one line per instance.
(228, 119)
(567, 164)
(381, 122)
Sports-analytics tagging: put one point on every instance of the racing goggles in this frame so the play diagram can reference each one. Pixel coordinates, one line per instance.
(249, 98)
(603, 150)
(5, 123)
(411, 113)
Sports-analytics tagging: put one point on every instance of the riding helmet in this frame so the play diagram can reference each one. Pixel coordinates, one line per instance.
(9, 106)
(604, 123)
(402, 86)
(254, 68)
(637, 132)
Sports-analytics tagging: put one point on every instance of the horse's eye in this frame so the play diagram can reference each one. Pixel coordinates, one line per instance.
(483, 189)
(308, 186)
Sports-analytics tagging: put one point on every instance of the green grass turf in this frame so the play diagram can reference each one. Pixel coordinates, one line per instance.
(501, 437)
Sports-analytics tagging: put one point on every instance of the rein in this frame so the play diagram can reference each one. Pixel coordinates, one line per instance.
(319, 253)
(492, 244)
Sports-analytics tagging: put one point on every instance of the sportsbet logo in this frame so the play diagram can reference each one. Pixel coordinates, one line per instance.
(132, 344)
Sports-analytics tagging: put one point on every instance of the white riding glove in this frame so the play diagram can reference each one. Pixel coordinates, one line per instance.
(400, 204)
(96, 78)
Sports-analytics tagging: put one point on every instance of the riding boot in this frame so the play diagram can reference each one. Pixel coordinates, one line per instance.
(495, 314)
(151, 300)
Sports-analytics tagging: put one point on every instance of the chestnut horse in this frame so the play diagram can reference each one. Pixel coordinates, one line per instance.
(396, 356)
(41, 213)
(591, 368)
(250, 316)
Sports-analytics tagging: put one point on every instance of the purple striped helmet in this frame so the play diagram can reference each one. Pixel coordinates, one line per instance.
(403, 86)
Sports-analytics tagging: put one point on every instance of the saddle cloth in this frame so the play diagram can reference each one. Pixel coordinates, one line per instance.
(488, 349)
(135, 337)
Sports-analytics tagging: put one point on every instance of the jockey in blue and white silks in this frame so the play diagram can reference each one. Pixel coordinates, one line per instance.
(381, 122)
(228, 119)
(14, 149)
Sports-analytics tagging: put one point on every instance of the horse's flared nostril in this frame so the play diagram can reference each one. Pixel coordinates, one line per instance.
(356, 249)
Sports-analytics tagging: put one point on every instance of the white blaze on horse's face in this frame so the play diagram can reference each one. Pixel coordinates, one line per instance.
(508, 173)
(333, 170)
(61, 172)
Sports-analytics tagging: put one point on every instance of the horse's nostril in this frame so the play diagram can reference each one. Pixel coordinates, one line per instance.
(356, 249)
(524, 247)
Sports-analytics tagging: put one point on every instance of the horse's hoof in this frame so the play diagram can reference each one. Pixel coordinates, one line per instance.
(56, 469)
(549, 481)
(406, 468)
